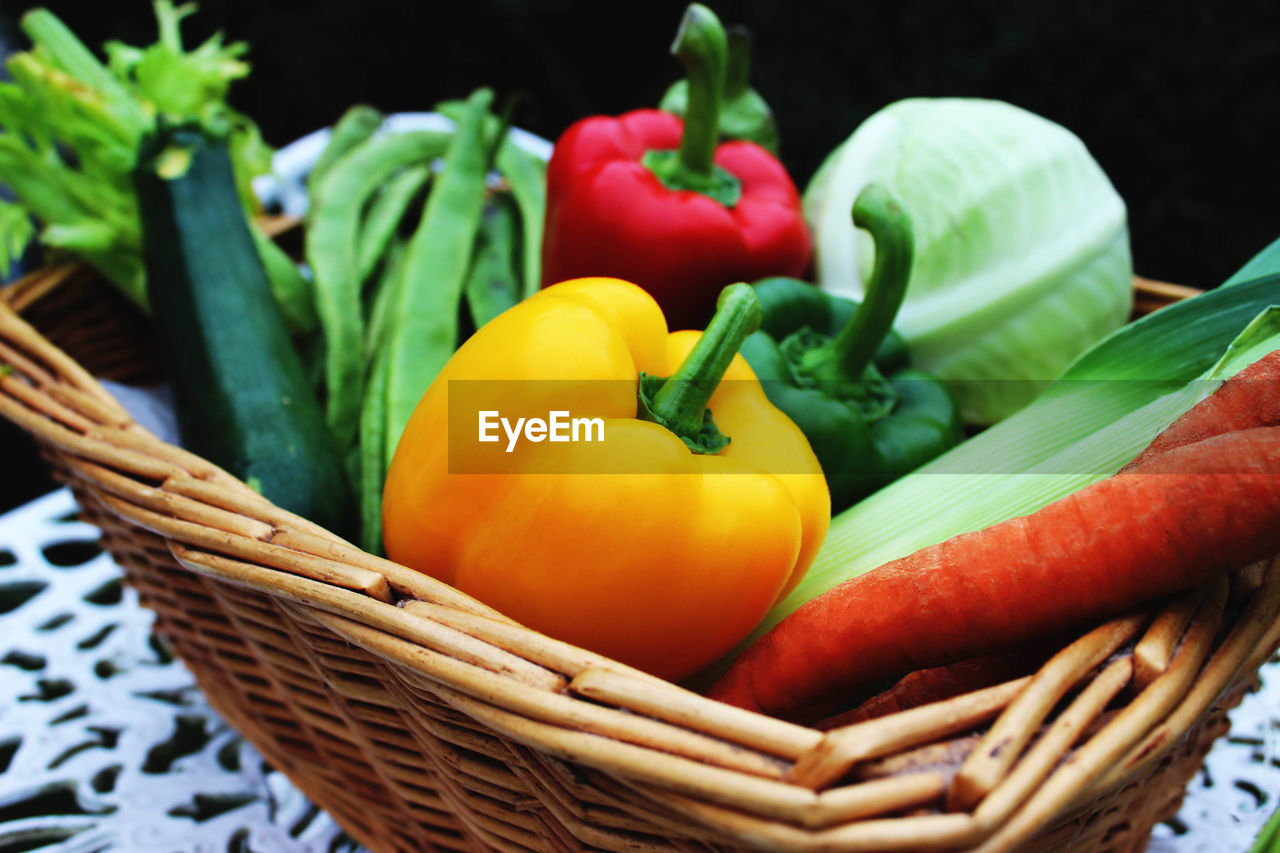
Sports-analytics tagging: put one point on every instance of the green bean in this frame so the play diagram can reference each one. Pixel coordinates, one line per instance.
(493, 285)
(383, 297)
(373, 458)
(333, 252)
(370, 462)
(290, 286)
(385, 214)
(526, 174)
(426, 329)
(355, 126)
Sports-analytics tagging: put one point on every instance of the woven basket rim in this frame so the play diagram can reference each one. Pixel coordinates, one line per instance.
(740, 777)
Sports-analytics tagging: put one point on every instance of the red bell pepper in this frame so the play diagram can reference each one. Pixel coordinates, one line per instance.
(652, 199)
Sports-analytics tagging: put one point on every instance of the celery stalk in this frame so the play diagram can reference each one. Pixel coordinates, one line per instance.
(69, 55)
(1104, 410)
(70, 127)
(16, 231)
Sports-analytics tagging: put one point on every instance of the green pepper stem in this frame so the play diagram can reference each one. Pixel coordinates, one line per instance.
(847, 355)
(682, 400)
(738, 72)
(702, 46)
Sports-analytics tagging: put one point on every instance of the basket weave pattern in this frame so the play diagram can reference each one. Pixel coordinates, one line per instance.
(423, 720)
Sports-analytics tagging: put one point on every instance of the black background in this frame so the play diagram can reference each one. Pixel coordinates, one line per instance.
(1178, 101)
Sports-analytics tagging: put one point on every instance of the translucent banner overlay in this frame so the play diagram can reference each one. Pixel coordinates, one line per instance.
(590, 427)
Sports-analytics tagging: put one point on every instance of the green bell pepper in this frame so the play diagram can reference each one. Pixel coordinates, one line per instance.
(838, 369)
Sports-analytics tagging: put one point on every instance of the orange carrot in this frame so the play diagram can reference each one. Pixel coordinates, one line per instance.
(1249, 399)
(1184, 517)
(944, 682)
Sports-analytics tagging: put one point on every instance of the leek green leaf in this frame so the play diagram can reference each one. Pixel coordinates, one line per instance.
(1266, 262)
(1268, 839)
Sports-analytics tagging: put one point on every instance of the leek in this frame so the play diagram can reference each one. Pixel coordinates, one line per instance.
(1258, 266)
(1101, 413)
(1268, 839)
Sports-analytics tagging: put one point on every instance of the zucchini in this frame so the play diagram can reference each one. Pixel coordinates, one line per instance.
(241, 393)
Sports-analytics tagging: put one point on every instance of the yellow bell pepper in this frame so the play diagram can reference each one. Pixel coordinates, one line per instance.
(633, 545)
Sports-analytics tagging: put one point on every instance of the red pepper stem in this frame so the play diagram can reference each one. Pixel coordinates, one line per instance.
(702, 46)
(683, 398)
(847, 356)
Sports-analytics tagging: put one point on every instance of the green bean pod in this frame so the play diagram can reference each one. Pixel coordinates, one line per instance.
(386, 212)
(493, 285)
(355, 126)
(526, 175)
(372, 458)
(289, 286)
(425, 332)
(381, 298)
(333, 250)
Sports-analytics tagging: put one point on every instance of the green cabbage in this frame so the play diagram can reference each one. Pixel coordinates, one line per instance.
(1022, 249)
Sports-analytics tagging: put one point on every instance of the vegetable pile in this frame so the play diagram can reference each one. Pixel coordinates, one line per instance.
(414, 240)
(1094, 419)
(932, 341)
(1201, 500)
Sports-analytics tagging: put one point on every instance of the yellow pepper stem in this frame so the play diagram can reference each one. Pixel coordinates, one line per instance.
(680, 404)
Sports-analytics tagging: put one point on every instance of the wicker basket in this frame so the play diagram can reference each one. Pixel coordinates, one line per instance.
(423, 720)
